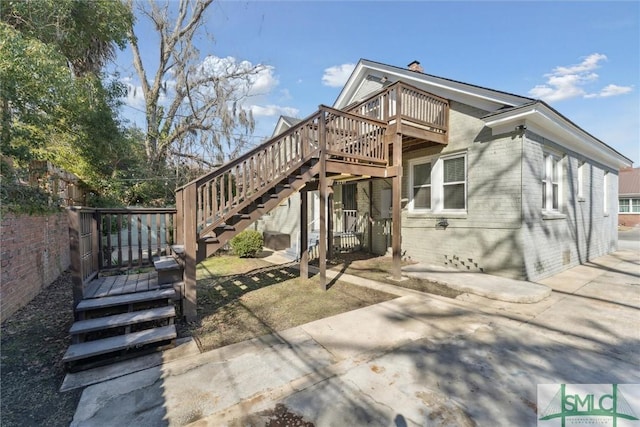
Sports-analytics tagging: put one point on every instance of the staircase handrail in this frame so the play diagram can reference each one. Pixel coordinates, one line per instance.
(231, 163)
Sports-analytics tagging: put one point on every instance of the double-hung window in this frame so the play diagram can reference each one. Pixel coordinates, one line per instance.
(551, 183)
(454, 183)
(421, 185)
(438, 184)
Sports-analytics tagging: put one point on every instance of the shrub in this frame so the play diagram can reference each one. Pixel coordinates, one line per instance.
(247, 243)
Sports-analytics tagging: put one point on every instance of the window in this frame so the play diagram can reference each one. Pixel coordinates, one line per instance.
(454, 183)
(551, 183)
(438, 184)
(628, 205)
(421, 173)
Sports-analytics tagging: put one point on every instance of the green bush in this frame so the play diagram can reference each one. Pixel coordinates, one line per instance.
(247, 243)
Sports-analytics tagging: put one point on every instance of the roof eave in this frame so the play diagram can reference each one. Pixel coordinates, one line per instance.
(453, 88)
(547, 122)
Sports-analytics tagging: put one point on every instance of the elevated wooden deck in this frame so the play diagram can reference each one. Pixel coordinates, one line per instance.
(122, 284)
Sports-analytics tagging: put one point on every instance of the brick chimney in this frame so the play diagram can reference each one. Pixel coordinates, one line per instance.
(415, 66)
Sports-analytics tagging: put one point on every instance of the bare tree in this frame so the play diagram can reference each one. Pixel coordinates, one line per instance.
(193, 104)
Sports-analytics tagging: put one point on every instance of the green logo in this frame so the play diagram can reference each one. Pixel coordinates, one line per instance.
(586, 404)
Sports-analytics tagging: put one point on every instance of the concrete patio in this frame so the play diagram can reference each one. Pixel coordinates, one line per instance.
(416, 360)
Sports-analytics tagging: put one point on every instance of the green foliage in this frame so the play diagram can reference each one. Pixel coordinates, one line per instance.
(84, 32)
(68, 116)
(21, 198)
(247, 243)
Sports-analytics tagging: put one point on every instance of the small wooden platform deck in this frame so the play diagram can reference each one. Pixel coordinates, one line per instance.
(122, 284)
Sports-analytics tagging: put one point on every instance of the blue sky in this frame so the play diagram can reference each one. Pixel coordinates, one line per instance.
(583, 58)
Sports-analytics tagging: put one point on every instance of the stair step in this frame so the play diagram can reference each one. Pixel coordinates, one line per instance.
(121, 342)
(209, 239)
(125, 319)
(166, 263)
(95, 303)
(178, 249)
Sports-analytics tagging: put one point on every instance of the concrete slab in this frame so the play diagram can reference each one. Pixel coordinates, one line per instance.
(184, 347)
(485, 285)
(413, 361)
(188, 389)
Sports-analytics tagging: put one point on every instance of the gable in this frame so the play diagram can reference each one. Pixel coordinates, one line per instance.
(505, 111)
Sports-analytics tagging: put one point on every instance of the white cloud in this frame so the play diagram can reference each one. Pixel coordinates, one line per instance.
(337, 75)
(273, 110)
(566, 82)
(610, 90)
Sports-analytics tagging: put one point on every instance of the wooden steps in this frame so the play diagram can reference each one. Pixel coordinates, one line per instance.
(119, 342)
(125, 299)
(115, 327)
(124, 319)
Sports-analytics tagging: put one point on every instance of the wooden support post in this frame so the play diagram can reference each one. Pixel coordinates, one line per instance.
(322, 189)
(304, 236)
(330, 224)
(190, 235)
(370, 219)
(95, 244)
(75, 256)
(396, 190)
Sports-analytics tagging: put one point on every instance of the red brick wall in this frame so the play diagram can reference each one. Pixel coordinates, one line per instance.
(34, 250)
(630, 220)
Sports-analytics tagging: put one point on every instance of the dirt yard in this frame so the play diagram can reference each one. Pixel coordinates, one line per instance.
(240, 299)
(32, 344)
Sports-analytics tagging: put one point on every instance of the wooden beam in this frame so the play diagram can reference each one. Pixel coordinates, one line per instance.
(370, 222)
(330, 225)
(356, 169)
(322, 246)
(304, 236)
(75, 255)
(189, 303)
(396, 191)
(424, 134)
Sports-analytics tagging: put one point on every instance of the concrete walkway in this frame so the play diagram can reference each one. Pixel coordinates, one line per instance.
(485, 285)
(416, 360)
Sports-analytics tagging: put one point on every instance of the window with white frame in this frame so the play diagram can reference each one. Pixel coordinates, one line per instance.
(551, 183)
(438, 184)
(421, 185)
(454, 183)
(629, 205)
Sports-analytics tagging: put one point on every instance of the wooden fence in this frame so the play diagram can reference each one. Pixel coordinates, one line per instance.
(116, 239)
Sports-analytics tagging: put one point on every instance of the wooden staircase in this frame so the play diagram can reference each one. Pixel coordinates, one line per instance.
(119, 326)
(217, 206)
(366, 140)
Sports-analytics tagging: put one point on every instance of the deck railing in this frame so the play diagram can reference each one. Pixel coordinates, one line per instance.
(225, 191)
(132, 237)
(401, 102)
(111, 239)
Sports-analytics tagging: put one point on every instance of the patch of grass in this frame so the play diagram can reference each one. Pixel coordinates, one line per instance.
(225, 265)
(244, 298)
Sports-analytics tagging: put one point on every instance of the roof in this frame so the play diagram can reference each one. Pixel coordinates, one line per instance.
(629, 182)
(506, 111)
(291, 121)
(284, 123)
(451, 89)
